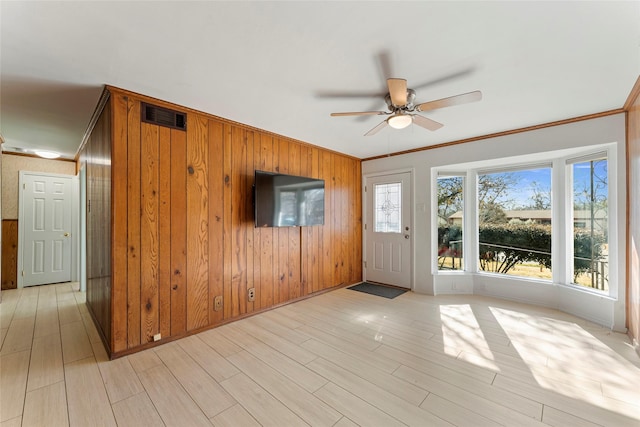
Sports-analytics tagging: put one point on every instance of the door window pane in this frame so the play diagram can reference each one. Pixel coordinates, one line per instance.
(388, 198)
(590, 224)
(450, 222)
(514, 220)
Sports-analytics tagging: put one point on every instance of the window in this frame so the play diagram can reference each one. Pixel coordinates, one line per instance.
(590, 222)
(514, 222)
(450, 222)
(388, 198)
(518, 227)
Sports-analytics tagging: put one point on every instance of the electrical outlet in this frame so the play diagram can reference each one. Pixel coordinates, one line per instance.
(251, 294)
(157, 337)
(217, 303)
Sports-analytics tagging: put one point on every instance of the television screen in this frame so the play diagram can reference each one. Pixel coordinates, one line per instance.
(287, 200)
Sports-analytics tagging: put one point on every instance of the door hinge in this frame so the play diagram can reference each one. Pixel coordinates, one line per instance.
(365, 188)
(365, 226)
(24, 186)
(22, 273)
(365, 264)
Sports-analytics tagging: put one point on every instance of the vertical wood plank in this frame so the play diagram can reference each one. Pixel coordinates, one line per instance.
(257, 232)
(216, 216)
(327, 229)
(294, 266)
(337, 220)
(344, 193)
(227, 222)
(239, 235)
(248, 218)
(149, 243)
(119, 170)
(316, 241)
(357, 222)
(9, 254)
(282, 288)
(183, 205)
(178, 270)
(133, 226)
(197, 223)
(267, 261)
(305, 232)
(164, 231)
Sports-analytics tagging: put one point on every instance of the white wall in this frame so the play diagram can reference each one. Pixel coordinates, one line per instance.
(606, 310)
(12, 165)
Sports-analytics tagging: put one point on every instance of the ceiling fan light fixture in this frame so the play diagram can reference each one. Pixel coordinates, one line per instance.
(400, 121)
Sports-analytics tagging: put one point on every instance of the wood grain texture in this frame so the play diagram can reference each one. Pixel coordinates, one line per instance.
(197, 223)
(227, 230)
(119, 213)
(366, 358)
(267, 258)
(327, 231)
(216, 216)
(149, 239)
(247, 218)
(238, 236)
(164, 231)
(294, 233)
(282, 288)
(9, 254)
(99, 226)
(185, 210)
(134, 255)
(178, 233)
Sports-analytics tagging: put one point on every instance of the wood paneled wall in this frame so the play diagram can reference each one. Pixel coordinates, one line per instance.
(183, 229)
(96, 158)
(633, 216)
(9, 254)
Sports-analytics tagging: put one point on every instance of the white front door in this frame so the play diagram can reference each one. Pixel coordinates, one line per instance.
(388, 229)
(45, 226)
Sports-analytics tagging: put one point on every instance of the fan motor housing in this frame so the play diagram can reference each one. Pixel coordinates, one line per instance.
(411, 96)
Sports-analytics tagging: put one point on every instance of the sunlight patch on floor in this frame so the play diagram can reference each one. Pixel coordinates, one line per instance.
(461, 331)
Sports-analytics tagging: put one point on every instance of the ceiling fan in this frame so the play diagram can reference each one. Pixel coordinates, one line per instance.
(402, 110)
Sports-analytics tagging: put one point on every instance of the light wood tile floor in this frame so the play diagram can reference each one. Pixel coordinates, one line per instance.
(340, 359)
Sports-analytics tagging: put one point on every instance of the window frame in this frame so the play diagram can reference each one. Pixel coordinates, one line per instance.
(444, 175)
(561, 207)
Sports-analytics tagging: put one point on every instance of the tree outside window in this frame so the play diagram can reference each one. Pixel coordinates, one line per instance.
(450, 222)
(590, 223)
(514, 222)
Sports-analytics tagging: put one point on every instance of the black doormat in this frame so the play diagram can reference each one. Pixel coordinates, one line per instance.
(379, 290)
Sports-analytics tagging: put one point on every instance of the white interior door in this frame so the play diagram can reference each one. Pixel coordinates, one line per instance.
(45, 226)
(388, 229)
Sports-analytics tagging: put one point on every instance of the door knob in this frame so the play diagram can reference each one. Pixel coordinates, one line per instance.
(406, 236)
(66, 234)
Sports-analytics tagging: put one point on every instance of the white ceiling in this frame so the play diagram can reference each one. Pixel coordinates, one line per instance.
(277, 65)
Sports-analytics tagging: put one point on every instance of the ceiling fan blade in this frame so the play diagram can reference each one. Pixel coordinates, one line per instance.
(359, 113)
(443, 78)
(339, 94)
(376, 129)
(450, 101)
(426, 123)
(398, 91)
(384, 63)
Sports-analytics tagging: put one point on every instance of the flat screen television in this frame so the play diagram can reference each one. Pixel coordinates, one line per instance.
(287, 201)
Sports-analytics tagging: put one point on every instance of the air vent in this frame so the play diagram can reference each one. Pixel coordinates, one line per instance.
(163, 117)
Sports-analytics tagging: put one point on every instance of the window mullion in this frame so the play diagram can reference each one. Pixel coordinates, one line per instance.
(471, 222)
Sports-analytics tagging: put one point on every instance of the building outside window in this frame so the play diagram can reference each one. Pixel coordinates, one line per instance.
(513, 217)
(514, 222)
